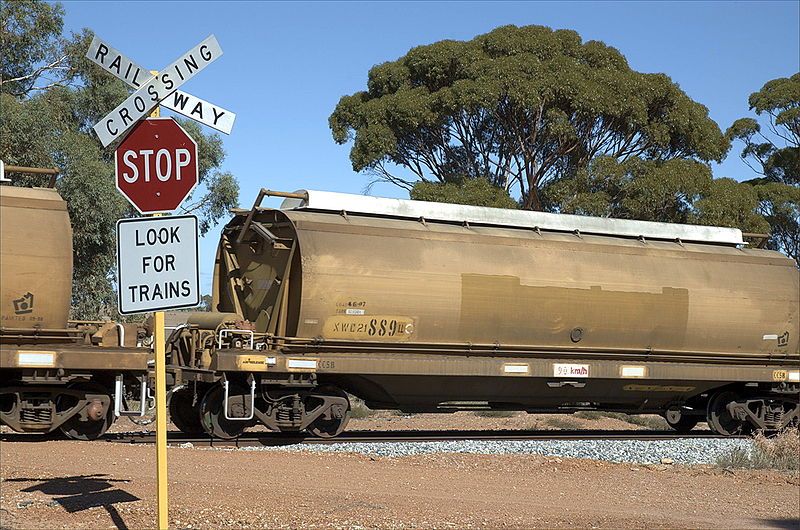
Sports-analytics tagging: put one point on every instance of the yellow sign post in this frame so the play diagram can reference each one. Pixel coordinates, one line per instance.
(161, 420)
(159, 351)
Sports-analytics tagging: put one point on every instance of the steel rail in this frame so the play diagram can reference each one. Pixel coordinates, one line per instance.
(284, 439)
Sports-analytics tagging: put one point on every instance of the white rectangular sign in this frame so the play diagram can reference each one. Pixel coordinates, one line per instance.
(200, 110)
(114, 62)
(158, 263)
(141, 102)
(570, 370)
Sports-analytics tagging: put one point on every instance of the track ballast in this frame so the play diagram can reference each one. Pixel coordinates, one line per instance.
(280, 439)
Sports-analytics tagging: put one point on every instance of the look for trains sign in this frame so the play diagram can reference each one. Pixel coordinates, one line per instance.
(156, 165)
(158, 263)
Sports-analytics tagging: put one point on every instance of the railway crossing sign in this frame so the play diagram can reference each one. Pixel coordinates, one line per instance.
(156, 168)
(114, 62)
(156, 165)
(158, 262)
(152, 91)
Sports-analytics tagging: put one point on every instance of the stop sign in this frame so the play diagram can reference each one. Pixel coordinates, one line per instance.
(156, 165)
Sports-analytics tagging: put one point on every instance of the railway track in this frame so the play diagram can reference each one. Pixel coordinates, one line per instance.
(282, 439)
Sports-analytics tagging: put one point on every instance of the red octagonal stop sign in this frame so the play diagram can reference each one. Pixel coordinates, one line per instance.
(156, 165)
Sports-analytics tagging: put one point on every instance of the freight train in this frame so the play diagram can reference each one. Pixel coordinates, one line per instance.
(428, 307)
(56, 374)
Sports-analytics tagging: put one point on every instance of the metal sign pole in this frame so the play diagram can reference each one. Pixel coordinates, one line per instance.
(159, 351)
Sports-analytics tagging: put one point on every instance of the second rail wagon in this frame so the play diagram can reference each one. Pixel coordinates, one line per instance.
(56, 374)
(429, 307)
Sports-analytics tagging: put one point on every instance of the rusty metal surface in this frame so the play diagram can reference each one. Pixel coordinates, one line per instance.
(35, 258)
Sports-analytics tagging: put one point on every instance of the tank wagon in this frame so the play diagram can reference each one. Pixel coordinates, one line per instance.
(56, 374)
(429, 307)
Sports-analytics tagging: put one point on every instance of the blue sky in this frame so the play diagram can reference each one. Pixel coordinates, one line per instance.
(285, 65)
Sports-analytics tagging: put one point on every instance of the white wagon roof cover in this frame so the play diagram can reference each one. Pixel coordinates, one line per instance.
(479, 215)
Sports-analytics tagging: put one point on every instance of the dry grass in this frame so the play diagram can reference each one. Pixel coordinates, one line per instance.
(495, 413)
(649, 421)
(358, 410)
(781, 451)
(563, 422)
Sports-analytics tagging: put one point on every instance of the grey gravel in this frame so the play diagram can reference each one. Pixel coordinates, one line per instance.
(686, 451)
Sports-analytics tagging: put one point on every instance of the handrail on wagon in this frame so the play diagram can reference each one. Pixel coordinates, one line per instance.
(53, 172)
(763, 239)
(261, 194)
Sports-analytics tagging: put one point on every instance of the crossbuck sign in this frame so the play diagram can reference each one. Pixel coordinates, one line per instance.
(159, 89)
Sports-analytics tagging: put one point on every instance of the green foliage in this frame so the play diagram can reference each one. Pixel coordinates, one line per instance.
(205, 303)
(733, 204)
(774, 152)
(680, 191)
(475, 192)
(221, 190)
(648, 190)
(780, 206)
(51, 127)
(519, 106)
(31, 42)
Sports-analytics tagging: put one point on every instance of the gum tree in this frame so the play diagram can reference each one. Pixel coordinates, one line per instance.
(50, 96)
(519, 107)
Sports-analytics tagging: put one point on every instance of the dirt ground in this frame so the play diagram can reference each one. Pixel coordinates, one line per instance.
(389, 420)
(64, 484)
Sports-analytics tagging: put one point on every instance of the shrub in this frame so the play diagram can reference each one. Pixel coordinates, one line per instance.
(495, 413)
(655, 423)
(563, 422)
(358, 410)
(781, 451)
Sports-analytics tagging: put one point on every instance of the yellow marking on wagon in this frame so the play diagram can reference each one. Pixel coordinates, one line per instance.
(369, 327)
(780, 375)
(245, 361)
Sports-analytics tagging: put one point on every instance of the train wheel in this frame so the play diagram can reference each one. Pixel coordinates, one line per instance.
(679, 421)
(333, 421)
(720, 419)
(185, 416)
(90, 423)
(212, 414)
